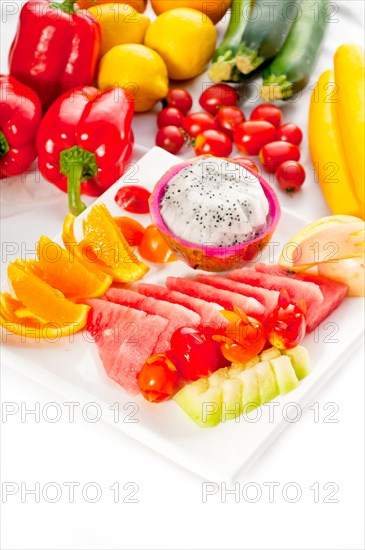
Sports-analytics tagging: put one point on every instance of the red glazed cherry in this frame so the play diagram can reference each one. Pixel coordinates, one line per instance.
(217, 96)
(133, 198)
(180, 99)
(267, 112)
(170, 138)
(194, 354)
(213, 142)
(228, 118)
(170, 116)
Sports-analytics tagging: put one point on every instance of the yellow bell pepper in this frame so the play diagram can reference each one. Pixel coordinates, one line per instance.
(139, 5)
(120, 24)
(349, 64)
(327, 150)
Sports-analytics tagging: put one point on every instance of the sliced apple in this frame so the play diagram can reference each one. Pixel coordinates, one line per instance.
(285, 374)
(202, 403)
(350, 271)
(299, 358)
(312, 243)
(267, 381)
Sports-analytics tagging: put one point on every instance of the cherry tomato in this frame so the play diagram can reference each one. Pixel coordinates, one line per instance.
(290, 132)
(228, 118)
(213, 142)
(217, 96)
(194, 355)
(250, 136)
(154, 248)
(131, 229)
(170, 116)
(179, 98)
(244, 337)
(170, 138)
(157, 379)
(290, 176)
(133, 198)
(286, 323)
(275, 153)
(246, 163)
(267, 112)
(196, 123)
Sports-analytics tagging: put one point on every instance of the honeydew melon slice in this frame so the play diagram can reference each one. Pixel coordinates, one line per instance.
(267, 381)
(250, 390)
(285, 374)
(270, 353)
(202, 403)
(299, 357)
(232, 399)
(231, 393)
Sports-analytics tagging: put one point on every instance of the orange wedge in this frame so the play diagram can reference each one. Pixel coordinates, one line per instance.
(61, 269)
(104, 247)
(18, 320)
(46, 304)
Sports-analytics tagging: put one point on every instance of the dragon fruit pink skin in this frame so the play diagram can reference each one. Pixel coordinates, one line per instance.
(213, 258)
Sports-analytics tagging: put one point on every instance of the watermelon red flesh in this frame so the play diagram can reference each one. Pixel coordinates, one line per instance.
(226, 299)
(268, 298)
(125, 338)
(177, 316)
(333, 292)
(297, 290)
(208, 311)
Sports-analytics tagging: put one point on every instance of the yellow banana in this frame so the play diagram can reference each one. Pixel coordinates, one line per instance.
(327, 150)
(349, 63)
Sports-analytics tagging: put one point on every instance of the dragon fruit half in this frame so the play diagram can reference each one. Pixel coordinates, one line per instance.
(214, 214)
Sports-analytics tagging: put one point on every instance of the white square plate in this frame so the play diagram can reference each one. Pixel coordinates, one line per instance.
(74, 370)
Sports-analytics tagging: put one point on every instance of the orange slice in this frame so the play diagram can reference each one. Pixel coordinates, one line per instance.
(63, 270)
(104, 247)
(29, 326)
(43, 301)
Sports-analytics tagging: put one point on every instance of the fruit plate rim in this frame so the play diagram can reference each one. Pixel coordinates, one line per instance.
(165, 428)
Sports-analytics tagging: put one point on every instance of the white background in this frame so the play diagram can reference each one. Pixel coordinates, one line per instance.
(171, 512)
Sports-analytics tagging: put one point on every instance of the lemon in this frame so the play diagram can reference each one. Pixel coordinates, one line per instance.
(120, 24)
(185, 39)
(138, 69)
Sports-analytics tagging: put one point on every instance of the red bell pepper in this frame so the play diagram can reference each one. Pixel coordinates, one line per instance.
(55, 49)
(20, 115)
(85, 140)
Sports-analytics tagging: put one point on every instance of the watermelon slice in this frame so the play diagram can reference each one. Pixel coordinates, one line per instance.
(125, 338)
(333, 292)
(268, 298)
(208, 311)
(297, 290)
(177, 316)
(225, 298)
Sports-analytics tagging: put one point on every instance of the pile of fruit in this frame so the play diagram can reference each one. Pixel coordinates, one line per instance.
(223, 124)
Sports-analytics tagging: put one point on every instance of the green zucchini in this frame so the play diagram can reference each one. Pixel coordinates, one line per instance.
(223, 63)
(269, 25)
(290, 70)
